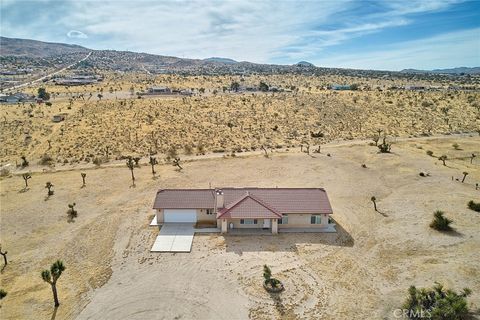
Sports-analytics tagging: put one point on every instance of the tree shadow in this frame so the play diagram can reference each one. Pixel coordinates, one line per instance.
(54, 314)
(277, 299)
(382, 213)
(452, 233)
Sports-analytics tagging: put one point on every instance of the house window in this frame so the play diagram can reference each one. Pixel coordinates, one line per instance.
(315, 219)
(284, 219)
(248, 221)
(209, 211)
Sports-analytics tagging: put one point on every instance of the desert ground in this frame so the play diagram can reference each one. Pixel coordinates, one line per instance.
(119, 124)
(361, 272)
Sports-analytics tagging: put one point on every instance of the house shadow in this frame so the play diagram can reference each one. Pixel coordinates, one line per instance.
(286, 241)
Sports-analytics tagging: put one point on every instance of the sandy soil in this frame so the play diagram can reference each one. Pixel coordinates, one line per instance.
(361, 272)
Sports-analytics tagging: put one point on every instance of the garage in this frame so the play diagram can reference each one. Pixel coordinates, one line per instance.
(180, 215)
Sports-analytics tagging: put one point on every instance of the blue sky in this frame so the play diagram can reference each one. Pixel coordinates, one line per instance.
(386, 34)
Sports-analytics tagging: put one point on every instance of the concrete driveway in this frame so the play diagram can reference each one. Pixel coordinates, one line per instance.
(174, 237)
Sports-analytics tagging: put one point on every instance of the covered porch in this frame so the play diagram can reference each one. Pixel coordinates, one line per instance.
(248, 213)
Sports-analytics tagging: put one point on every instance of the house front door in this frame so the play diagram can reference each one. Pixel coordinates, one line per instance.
(266, 223)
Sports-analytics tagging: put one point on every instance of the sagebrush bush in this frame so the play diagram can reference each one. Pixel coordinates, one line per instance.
(475, 206)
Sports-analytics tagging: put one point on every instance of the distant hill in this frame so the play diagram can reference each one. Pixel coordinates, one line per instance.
(304, 64)
(33, 52)
(220, 60)
(36, 49)
(459, 70)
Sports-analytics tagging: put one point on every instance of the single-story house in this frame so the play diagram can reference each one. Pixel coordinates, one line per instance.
(232, 208)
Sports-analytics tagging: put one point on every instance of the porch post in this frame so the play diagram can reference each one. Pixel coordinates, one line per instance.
(274, 226)
(324, 219)
(224, 226)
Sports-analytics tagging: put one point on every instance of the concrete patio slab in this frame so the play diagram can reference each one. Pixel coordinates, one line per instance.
(328, 229)
(174, 237)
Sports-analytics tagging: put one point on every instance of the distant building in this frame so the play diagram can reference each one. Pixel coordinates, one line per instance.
(341, 87)
(414, 87)
(159, 90)
(58, 117)
(16, 98)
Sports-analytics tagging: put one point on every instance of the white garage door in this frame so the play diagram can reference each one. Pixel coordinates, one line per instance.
(180, 215)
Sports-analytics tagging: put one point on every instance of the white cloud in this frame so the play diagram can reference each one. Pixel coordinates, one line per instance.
(76, 34)
(448, 50)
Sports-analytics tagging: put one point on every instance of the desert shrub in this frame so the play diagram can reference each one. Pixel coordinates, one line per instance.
(45, 160)
(440, 222)
(455, 146)
(97, 161)
(3, 294)
(436, 303)
(430, 153)
(5, 171)
(475, 206)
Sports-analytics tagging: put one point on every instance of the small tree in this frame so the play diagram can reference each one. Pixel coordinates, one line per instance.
(131, 166)
(51, 276)
(443, 158)
(43, 94)
(49, 186)
(176, 163)
(465, 174)
(471, 158)
(71, 212)
(26, 177)
(440, 222)
(153, 162)
(84, 175)
(430, 153)
(267, 276)
(456, 146)
(4, 254)
(373, 199)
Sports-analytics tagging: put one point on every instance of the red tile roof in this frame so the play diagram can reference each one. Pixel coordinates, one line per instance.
(279, 200)
(248, 206)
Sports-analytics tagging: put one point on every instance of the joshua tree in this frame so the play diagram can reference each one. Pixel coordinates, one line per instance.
(4, 254)
(385, 147)
(71, 212)
(84, 175)
(51, 276)
(153, 162)
(131, 166)
(49, 186)
(464, 176)
(176, 163)
(25, 163)
(443, 158)
(234, 86)
(25, 177)
(373, 199)
(440, 222)
(471, 158)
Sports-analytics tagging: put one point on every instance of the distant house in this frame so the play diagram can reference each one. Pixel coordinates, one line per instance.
(159, 90)
(341, 87)
(414, 87)
(16, 98)
(58, 118)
